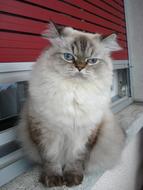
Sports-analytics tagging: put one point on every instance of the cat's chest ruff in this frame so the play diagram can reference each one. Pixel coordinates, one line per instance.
(75, 104)
(76, 96)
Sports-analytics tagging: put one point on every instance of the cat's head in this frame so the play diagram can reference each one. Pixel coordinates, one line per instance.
(74, 53)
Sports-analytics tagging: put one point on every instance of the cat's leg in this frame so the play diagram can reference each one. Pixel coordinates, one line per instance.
(73, 173)
(106, 150)
(50, 175)
(76, 154)
(49, 145)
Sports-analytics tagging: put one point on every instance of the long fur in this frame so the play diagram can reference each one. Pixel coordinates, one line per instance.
(68, 106)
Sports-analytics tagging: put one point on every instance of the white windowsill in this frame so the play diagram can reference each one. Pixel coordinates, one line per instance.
(20, 71)
(131, 117)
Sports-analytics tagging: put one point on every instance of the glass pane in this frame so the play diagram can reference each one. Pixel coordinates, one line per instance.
(120, 87)
(12, 97)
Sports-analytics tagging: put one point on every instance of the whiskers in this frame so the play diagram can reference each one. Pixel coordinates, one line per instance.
(83, 74)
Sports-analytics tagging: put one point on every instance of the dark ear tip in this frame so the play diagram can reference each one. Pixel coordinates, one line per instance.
(51, 22)
(58, 27)
(102, 37)
(115, 32)
(43, 35)
(114, 36)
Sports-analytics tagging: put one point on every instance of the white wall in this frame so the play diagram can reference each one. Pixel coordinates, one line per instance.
(134, 13)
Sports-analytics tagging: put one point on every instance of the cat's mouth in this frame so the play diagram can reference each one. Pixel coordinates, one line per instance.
(79, 74)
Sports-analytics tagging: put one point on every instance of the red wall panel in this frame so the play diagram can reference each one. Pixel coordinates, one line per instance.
(22, 22)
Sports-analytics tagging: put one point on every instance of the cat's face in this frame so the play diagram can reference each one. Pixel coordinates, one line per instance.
(79, 54)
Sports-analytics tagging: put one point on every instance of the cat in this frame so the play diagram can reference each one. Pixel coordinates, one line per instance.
(66, 124)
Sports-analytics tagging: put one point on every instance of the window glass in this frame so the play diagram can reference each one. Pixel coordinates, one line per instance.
(12, 97)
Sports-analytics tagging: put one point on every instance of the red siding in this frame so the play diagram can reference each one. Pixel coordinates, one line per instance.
(22, 22)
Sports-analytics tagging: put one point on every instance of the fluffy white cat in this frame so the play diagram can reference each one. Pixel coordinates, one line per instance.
(66, 124)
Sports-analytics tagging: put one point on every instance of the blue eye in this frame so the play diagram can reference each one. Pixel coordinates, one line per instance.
(92, 60)
(68, 57)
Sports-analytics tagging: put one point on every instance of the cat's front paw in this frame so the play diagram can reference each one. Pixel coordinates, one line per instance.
(52, 181)
(72, 179)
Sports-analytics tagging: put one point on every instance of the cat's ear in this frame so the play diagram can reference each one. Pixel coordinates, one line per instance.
(53, 34)
(110, 43)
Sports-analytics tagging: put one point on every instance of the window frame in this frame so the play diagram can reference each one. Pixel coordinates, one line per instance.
(20, 71)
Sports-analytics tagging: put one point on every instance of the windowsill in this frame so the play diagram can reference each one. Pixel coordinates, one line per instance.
(131, 119)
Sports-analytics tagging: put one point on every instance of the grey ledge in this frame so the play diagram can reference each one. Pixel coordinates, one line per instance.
(131, 119)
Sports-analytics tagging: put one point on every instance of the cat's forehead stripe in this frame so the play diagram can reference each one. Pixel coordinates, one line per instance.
(81, 45)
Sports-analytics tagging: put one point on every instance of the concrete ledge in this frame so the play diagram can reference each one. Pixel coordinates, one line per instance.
(121, 177)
